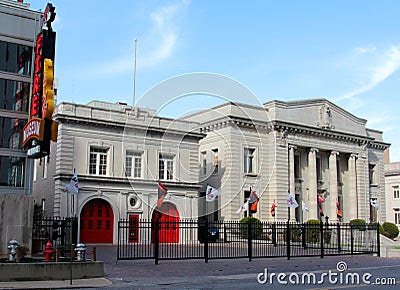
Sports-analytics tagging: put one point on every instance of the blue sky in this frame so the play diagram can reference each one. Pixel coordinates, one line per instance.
(345, 51)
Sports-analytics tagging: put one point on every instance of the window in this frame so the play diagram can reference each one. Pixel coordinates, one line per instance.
(12, 171)
(15, 58)
(372, 174)
(216, 161)
(319, 168)
(133, 165)
(396, 192)
(203, 158)
(339, 176)
(248, 160)
(396, 215)
(98, 161)
(165, 167)
(297, 172)
(14, 95)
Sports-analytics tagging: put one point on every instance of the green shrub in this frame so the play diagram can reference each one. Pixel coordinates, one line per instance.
(256, 227)
(391, 229)
(358, 224)
(313, 231)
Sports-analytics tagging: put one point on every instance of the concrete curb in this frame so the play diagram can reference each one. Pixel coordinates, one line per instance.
(79, 283)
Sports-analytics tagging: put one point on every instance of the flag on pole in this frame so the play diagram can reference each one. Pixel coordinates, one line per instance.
(320, 199)
(244, 207)
(291, 201)
(162, 192)
(253, 201)
(273, 206)
(338, 211)
(374, 204)
(304, 206)
(72, 186)
(212, 193)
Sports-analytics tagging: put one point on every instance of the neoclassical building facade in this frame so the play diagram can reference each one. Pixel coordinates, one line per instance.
(319, 153)
(119, 155)
(314, 150)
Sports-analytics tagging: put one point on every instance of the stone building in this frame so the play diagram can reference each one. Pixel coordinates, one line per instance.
(321, 154)
(119, 155)
(18, 29)
(392, 185)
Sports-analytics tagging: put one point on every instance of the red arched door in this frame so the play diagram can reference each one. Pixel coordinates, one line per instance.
(168, 223)
(97, 220)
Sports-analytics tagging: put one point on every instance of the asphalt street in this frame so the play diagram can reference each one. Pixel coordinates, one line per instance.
(335, 272)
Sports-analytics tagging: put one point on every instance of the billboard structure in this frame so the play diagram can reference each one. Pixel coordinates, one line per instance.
(41, 129)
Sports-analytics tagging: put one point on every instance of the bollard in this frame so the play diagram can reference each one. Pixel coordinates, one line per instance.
(94, 254)
(12, 248)
(80, 252)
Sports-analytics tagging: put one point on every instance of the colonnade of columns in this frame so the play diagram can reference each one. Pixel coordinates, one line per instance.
(310, 195)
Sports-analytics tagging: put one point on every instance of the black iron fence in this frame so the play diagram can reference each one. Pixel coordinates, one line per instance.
(192, 239)
(61, 232)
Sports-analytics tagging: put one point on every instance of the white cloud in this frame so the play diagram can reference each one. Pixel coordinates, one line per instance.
(157, 48)
(364, 49)
(165, 29)
(377, 69)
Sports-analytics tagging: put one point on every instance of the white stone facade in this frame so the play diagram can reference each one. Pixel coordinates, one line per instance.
(307, 148)
(97, 140)
(392, 185)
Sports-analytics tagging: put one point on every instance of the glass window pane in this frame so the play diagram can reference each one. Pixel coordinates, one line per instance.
(11, 132)
(15, 58)
(12, 171)
(14, 95)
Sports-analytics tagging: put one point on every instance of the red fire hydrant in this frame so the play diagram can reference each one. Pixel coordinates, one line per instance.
(48, 251)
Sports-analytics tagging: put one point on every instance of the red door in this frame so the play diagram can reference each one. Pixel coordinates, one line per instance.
(97, 220)
(168, 224)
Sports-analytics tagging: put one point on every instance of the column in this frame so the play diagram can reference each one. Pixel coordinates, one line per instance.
(351, 198)
(333, 188)
(292, 181)
(312, 184)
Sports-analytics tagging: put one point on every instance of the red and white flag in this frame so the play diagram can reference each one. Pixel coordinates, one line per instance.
(162, 192)
(244, 207)
(212, 193)
(291, 201)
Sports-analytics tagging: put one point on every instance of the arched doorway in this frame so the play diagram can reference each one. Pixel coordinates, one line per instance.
(168, 223)
(97, 222)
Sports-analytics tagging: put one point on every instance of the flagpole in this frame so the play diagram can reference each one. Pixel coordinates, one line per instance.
(134, 77)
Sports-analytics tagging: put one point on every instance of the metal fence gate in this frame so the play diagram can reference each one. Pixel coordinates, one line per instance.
(144, 239)
(62, 232)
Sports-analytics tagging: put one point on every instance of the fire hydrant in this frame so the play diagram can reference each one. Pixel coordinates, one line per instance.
(48, 251)
(12, 248)
(80, 252)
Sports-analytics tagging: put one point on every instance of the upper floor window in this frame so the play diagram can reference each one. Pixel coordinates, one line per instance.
(133, 166)
(165, 167)
(14, 95)
(396, 192)
(98, 161)
(297, 172)
(372, 174)
(248, 160)
(216, 160)
(319, 168)
(203, 160)
(396, 215)
(15, 58)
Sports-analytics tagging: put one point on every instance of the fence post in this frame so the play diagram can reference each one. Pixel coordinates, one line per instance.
(338, 238)
(156, 241)
(351, 240)
(225, 235)
(274, 234)
(303, 236)
(288, 240)
(249, 238)
(206, 242)
(378, 240)
(321, 228)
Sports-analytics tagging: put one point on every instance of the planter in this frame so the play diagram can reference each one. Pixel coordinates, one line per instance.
(50, 271)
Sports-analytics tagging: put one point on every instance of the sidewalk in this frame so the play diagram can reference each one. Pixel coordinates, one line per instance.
(79, 283)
